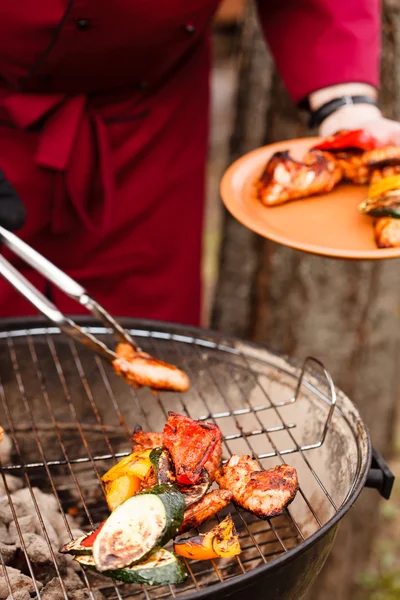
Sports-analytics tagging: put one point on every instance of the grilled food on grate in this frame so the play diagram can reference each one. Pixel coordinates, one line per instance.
(221, 542)
(263, 493)
(160, 492)
(145, 440)
(205, 509)
(141, 369)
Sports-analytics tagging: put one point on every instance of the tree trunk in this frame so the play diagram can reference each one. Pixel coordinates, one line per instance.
(344, 312)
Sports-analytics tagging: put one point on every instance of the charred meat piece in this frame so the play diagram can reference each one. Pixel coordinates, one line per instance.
(142, 440)
(190, 444)
(286, 179)
(140, 369)
(263, 493)
(214, 462)
(146, 440)
(387, 232)
(197, 514)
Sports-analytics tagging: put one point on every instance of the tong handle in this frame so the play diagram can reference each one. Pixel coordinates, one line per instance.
(41, 264)
(46, 307)
(59, 279)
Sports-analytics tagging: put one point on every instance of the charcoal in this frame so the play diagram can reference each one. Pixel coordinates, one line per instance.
(31, 524)
(36, 547)
(72, 580)
(84, 594)
(53, 590)
(20, 595)
(20, 507)
(8, 552)
(46, 502)
(18, 582)
(4, 535)
(75, 589)
(13, 484)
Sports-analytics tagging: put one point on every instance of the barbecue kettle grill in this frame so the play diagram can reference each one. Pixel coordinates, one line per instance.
(69, 418)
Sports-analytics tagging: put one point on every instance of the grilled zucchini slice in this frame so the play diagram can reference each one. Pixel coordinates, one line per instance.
(143, 522)
(160, 568)
(75, 546)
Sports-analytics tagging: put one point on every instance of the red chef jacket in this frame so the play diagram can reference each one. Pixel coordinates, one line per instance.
(104, 118)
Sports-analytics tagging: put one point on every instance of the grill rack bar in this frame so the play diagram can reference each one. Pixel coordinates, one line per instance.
(214, 417)
(231, 412)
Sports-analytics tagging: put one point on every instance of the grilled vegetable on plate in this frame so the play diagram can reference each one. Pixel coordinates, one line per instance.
(221, 542)
(160, 568)
(383, 198)
(135, 528)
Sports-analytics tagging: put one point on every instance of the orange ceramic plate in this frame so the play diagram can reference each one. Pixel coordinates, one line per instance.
(328, 224)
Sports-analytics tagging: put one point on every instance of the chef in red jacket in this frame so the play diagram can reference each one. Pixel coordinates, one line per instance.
(104, 122)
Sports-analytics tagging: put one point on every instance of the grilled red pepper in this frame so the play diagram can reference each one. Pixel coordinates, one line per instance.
(89, 540)
(190, 444)
(346, 140)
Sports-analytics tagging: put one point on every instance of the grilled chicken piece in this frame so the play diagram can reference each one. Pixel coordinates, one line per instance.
(352, 166)
(362, 167)
(263, 493)
(140, 369)
(286, 179)
(144, 441)
(387, 232)
(204, 509)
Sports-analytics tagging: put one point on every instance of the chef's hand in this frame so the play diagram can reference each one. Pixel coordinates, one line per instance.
(362, 116)
(12, 211)
(355, 116)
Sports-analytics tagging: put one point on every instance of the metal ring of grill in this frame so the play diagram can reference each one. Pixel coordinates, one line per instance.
(70, 418)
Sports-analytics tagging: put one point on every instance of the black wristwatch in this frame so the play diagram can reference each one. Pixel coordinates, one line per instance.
(324, 111)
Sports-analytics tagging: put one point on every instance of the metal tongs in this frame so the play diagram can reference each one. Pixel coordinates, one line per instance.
(69, 287)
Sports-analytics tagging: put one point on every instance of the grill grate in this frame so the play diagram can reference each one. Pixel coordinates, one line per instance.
(69, 418)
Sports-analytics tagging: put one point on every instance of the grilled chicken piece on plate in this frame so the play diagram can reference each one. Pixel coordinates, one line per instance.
(387, 232)
(140, 369)
(263, 493)
(362, 167)
(286, 179)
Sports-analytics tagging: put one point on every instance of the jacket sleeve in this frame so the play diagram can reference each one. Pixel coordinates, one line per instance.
(318, 43)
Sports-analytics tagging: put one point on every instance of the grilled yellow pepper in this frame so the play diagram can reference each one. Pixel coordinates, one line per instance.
(121, 489)
(221, 542)
(137, 464)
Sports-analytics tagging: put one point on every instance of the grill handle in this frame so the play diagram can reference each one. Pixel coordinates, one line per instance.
(380, 477)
